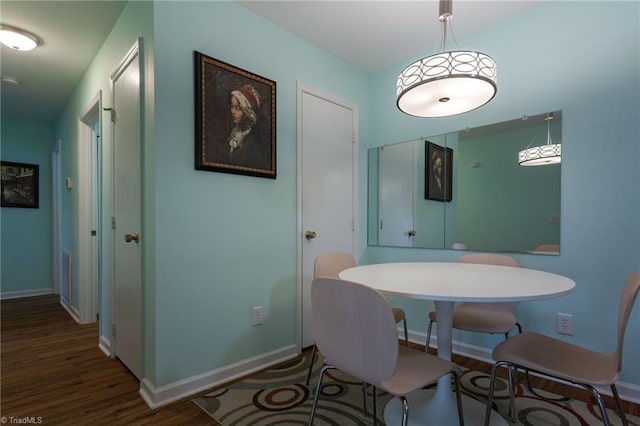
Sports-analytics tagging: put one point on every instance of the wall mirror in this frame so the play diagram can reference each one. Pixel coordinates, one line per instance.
(489, 201)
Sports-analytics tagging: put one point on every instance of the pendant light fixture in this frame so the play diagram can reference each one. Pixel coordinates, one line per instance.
(543, 155)
(449, 82)
(17, 39)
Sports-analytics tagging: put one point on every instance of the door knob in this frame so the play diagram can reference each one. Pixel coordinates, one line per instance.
(412, 233)
(132, 237)
(310, 235)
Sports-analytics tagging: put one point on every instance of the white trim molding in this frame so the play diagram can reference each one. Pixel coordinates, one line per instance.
(163, 395)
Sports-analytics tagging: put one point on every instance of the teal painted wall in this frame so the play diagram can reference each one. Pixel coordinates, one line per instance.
(26, 251)
(226, 243)
(558, 56)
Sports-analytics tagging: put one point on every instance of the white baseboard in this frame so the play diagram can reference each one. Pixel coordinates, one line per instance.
(163, 395)
(25, 293)
(627, 391)
(105, 346)
(71, 309)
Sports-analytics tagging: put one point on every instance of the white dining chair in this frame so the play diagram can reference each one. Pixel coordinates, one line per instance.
(329, 265)
(355, 330)
(495, 317)
(565, 361)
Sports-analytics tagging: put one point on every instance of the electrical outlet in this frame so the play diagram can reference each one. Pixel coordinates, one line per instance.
(258, 317)
(564, 323)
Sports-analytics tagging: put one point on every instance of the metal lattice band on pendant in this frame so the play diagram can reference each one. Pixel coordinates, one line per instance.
(447, 83)
(540, 155)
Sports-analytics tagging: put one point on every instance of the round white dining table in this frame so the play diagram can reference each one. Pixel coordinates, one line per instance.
(446, 283)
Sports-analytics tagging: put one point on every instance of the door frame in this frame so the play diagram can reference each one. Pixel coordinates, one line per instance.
(303, 88)
(88, 211)
(56, 195)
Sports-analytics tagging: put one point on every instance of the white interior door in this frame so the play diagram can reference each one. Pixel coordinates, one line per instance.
(396, 195)
(127, 207)
(327, 158)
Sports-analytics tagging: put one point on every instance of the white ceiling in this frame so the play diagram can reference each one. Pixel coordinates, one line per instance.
(369, 34)
(72, 32)
(375, 34)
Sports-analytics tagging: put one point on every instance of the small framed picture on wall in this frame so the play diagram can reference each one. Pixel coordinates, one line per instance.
(19, 185)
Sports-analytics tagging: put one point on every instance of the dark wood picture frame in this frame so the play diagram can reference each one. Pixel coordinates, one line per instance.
(438, 182)
(235, 119)
(20, 185)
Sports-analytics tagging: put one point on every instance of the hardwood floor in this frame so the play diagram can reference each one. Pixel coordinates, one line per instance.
(52, 368)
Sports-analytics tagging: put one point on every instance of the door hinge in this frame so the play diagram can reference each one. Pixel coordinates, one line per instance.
(93, 233)
(113, 222)
(112, 112)
(113, 331)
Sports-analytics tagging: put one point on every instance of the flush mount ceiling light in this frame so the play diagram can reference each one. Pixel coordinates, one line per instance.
(446, 83)
(11, 81)
(17, 39)
(542, 155)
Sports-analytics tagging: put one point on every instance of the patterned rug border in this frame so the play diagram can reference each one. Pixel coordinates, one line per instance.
(279, 396)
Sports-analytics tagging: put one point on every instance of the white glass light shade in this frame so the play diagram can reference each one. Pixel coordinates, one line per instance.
(541, 155)
(17, 39)
(447, 83)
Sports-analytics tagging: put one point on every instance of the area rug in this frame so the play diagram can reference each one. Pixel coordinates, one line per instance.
(279, 396)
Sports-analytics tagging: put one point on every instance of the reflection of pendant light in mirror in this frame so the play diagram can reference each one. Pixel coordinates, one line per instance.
(449, 82)
(544, 154)
(17, 39)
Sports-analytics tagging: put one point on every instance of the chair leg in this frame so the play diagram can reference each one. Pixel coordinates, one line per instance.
(406, 334)
(364, 399)
(318, 388)
(426, 346)
(375, 407)
(519, 327)
(492, 383)
(614, 391)
(600, 402)
(513, 379)
(532, 390)
(313, 358)
(405, 411)
(456, 377)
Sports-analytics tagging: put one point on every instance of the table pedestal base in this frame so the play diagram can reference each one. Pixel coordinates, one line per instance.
(424, 411)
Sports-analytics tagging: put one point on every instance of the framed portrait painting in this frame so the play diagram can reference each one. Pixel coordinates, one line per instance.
(19, 185)
(235, 119)
(439, 172)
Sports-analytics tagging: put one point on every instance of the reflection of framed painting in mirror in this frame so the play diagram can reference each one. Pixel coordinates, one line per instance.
(438, 172)
(19, 185)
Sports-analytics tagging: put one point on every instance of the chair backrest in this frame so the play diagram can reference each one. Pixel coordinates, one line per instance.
(329, 265)
(354, 329)
(491, 259)
(552, 248)
(627, 300)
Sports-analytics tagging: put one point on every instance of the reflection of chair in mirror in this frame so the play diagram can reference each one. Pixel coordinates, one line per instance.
(483, 317)
(355, 329)
(329, 265)
(561, 360)
(549, 248)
